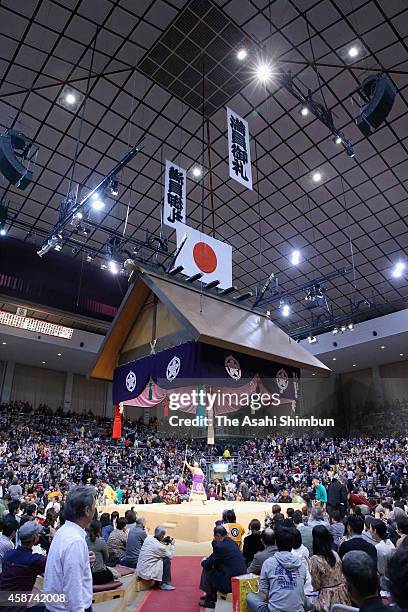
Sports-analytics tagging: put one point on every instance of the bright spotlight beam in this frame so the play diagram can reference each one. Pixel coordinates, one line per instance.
(263, 72)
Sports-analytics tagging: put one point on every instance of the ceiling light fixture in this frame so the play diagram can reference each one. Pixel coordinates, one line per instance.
(334, 358)
(353, 51)
(43, 362)
(312, 339)
(241, 55)
(295, 258)
(401, 354)
(113, 267)
(304, 111)
(285, 308)
(354, 365)
(70, 98)
(383, 347)
(197, 172)
(97, 203)
(59, 354)
(4, 343)
(3, 231)
(317, 177)
(338, 140)
(263, 72)
(398, 269)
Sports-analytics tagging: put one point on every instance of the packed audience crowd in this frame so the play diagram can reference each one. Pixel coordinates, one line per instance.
(346, 544)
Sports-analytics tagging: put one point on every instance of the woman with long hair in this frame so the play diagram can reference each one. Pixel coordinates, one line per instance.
(325, 570)
(96, 544)
(252, 542)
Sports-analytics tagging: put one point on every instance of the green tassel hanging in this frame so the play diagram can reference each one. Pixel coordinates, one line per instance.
(150, 389)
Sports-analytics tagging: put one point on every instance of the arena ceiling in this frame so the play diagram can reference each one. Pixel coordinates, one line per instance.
(358, 212)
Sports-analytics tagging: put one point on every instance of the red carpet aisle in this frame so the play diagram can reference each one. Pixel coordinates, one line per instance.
(186, 572)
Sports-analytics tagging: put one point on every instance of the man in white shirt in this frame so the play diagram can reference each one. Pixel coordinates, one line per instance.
(385, 548)
(68, 568)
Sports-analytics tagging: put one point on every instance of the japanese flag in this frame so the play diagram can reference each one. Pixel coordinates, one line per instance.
(204, 254)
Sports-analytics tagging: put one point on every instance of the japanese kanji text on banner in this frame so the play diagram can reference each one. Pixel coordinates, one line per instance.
(238, 149)
(174, 195)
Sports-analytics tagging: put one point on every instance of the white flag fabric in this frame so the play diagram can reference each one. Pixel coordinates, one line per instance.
(239, 151)
(174, 210)
(204, 254)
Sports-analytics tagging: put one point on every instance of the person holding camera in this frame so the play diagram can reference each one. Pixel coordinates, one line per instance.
(155, 556)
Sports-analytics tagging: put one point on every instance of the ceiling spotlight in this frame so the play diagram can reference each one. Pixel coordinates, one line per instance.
(78, 215)
(295, 258)
(3, 231)
(59, 354)
(70, 98)
(58, 247)
(334, 358)
(4, 343)
(398, 269)
(90, 257)
(317, 177)
(335, 330)
(241, 55)
(285, 309)
(354, 365)
(350, 151)
(401, 354)
(97, 203)
(353, 51)
(350, 326)
(43, 362)
(304, 111)
(263, 72)
(103, 266)
(313, 374)
(113, 267)
(382, 347)
(343, 328)
(197, 172)
(338, 140)
(312, 339)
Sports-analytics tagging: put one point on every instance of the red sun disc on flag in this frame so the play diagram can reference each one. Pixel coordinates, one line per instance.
(204, 257)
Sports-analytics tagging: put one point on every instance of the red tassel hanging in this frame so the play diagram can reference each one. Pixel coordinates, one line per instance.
(166, 406)
(117, 424)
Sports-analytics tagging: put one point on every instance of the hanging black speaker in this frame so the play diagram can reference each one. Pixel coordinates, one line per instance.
(378, 91)
(15, 145)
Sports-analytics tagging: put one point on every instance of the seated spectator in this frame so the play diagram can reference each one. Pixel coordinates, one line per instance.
(117, 541)
(107, 526)
(235, 530)
(134, 543)
(15, 491)
(225, 562)
(398, 577)
(269, 520)
(325, 570)
(300, 550)
(317, 518)
(336, 529)
(355, 525)
(96, 544)
(367, 535)
(252, 542)
(130, 516)
(385, 548)
(320, 493)
(361, 576)
(9, 533)
(154, 561)
(282, 581)
(13, 511)
(21, 566)
(270, 548)
(402, 529)
(305, 531)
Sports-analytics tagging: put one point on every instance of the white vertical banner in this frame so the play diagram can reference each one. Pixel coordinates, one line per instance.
(174, 195)
(239, 151)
